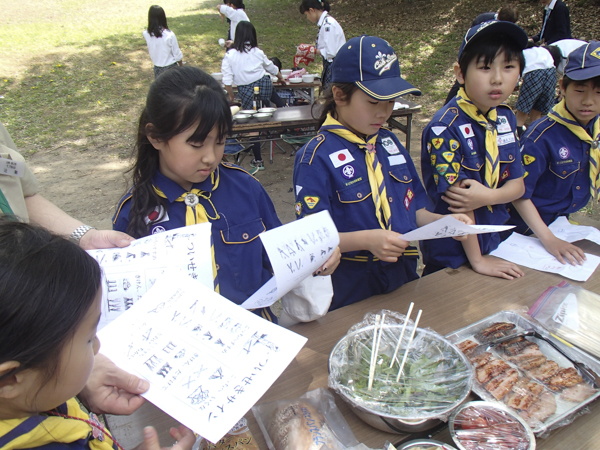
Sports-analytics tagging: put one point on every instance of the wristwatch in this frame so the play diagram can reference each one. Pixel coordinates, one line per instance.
(79, 232)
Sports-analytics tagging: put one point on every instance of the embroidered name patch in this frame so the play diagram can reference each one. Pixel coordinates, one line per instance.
(396, 160)
(504, 139)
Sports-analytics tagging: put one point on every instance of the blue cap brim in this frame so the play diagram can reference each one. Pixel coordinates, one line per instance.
(387, 88)
(513, 31)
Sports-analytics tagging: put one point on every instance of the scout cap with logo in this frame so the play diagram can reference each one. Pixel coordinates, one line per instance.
(583, 63)
(371, 64)
(494, 27)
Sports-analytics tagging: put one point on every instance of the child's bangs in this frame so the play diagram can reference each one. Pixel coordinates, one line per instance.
(488, 49)
(211, 110)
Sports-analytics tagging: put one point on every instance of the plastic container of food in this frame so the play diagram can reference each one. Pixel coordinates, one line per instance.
(295, 80)
(425, 444)
(285, 72)
(489, 426)
(436, 378)
(308, 78)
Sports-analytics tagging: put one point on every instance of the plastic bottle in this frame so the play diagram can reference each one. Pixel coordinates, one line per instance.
(256, 100)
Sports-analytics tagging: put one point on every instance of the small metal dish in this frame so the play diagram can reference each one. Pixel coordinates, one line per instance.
(263, 117)
(267, 110)
(425, 444)
(295, 80)
(242, 118)
(528, 442)
(248, 112)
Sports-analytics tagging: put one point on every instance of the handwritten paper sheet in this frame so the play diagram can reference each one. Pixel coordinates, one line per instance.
(129, 272)
(565, 230)
(295, 250)
(208, 360)
(448, 226)
(529, 252)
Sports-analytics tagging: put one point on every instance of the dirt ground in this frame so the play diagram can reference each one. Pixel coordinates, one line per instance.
(88, 184)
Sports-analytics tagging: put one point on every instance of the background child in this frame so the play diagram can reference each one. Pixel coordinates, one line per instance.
(561, 157)
(235, 12)
(331, 36)
(162, 43)
(362, 175)
(248, 67)
(470, 153)
(50, 296)
(179, 179)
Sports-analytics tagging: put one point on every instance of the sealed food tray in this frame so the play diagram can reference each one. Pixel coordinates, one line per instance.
(565, 410)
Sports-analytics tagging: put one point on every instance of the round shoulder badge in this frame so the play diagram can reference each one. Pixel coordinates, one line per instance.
(564, 153)
(348, 171)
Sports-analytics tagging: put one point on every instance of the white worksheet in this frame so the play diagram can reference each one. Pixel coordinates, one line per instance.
(565, 230)
(295, 250)
(448, 226)
(129, 272)
(208, 360)
(530, 252)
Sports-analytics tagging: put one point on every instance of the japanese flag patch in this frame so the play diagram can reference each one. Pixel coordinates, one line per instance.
(341, 157)
(467, 130)
(154, 215)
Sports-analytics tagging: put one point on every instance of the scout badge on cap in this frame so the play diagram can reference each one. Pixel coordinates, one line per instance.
(583, 63)
(371, 63)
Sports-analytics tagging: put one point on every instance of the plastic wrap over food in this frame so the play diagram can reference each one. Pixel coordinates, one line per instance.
(489, 426)
(572, 313)
(435, 379)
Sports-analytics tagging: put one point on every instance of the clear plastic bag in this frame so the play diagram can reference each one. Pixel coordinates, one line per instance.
(571, 313)
(311, 422)
(435, 379)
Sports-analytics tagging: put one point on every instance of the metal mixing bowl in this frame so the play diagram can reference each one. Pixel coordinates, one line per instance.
(263, 117)
(241, 118)
(267, 110)
(248, 112)
(405, 410)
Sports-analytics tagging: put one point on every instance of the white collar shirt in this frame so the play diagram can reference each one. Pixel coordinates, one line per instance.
(330, 38)
(537, 58)
(242, 68)
(164, 50)
(551, 5)
(235, 15)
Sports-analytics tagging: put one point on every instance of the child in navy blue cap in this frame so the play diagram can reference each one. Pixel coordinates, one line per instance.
(361, 174)
(560, 155)
(470, 153)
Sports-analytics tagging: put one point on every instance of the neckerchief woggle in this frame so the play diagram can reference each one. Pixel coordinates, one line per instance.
(561, 114)
(492, 155)
(196, 213)
(374, 168)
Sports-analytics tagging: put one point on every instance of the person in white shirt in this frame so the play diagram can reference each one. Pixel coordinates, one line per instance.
(566, 46)
(537, 94)
(234, 11)
(331, 36)
(248, 67)
(162, 43)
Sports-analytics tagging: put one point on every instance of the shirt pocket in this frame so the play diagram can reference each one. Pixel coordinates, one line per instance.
(563, 171)
(355, 193)
(472, 162)
(509, 154)
(244, 253)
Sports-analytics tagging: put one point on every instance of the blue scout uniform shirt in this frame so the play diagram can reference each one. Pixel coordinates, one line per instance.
(453, 149)
(245, 211)
(557, 172)
(330, 173)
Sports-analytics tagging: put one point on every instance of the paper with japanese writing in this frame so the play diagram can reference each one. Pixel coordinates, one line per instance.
(530, 252)
(295, 251)
(565, 230)
(208, 360)
(448, 226)
(129, 272)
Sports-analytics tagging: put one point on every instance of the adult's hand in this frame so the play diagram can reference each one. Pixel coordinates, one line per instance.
(184, 437)
(111, 390)
(95, 239)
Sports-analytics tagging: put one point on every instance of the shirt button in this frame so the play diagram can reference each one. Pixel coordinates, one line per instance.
(245, 236)
(405, 177)
(581, 170)
(587, 153)
(217, 266)
(390, 199)
(574, 205)
(564, 172)
(359, 195)
(510, 157)
(578, 187)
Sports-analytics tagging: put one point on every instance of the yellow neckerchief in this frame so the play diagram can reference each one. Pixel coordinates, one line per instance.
(376, 180)
(492, 156)
(196, 213)
(561, 114)
(41, 430)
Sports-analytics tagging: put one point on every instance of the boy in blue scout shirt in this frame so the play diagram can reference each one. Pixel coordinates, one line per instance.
(560, 155)
(470, 153)
(362, 175)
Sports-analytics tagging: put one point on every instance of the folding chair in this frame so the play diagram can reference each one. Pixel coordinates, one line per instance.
(236, 150)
